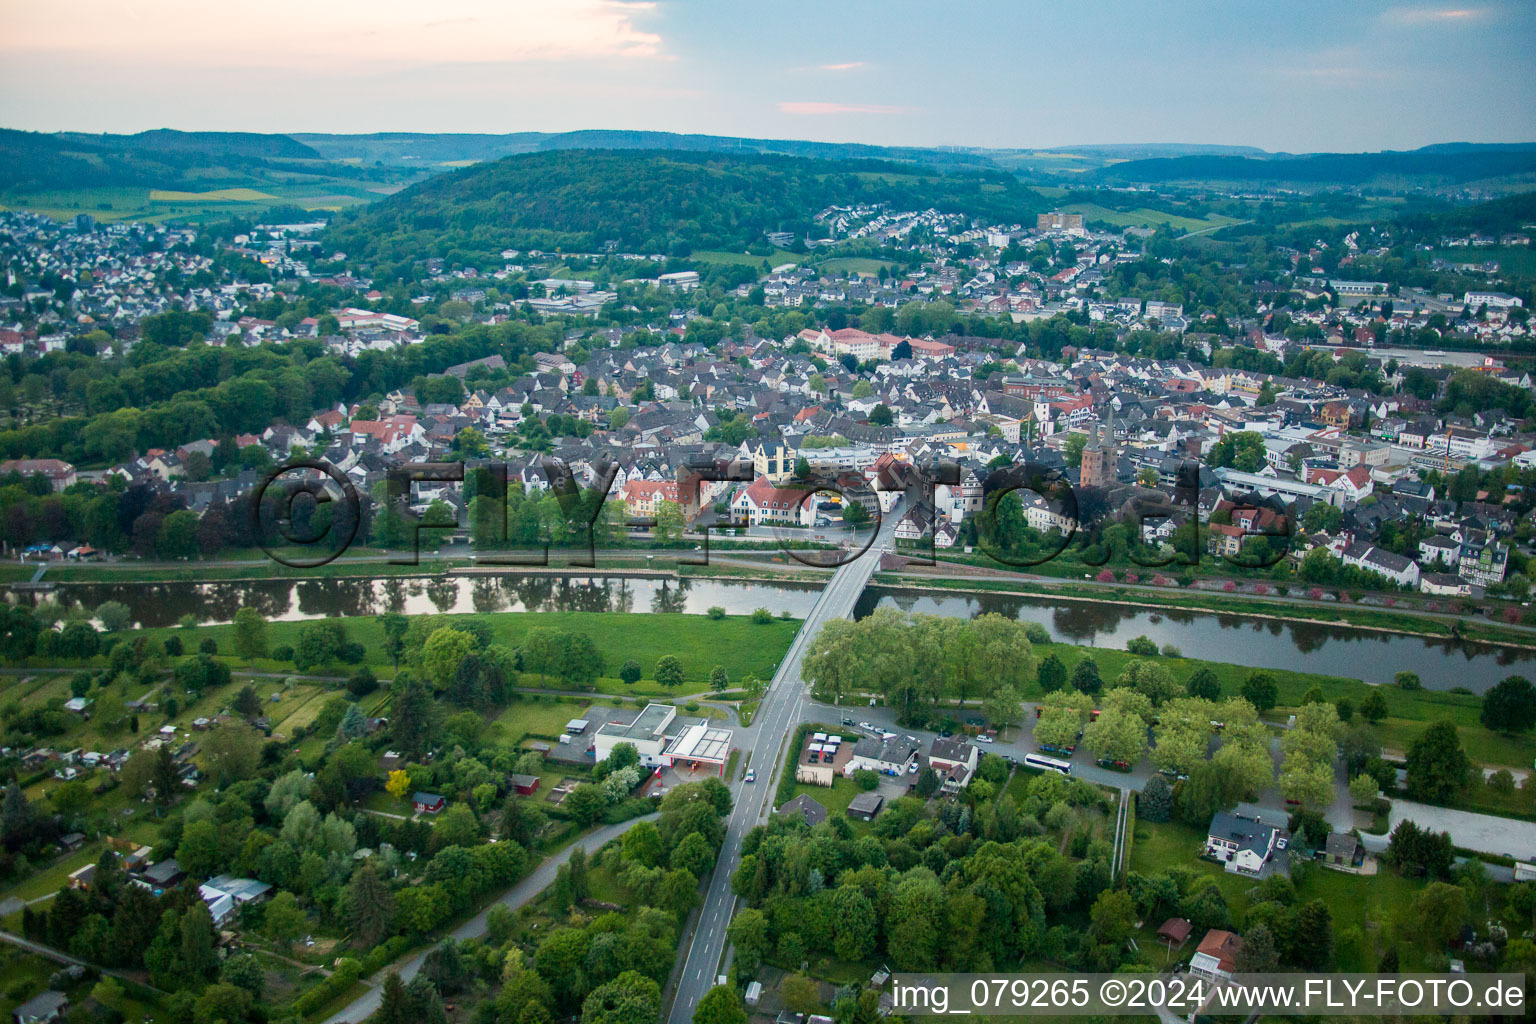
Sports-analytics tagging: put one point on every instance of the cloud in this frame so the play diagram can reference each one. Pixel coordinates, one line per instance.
(817, 108)
(852, 65)
(1431, 15)
(338, 33)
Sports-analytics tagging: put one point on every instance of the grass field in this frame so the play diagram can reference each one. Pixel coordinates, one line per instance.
(218, 195)
(743, 647)
(228, 192)
(1144, 217)
(1370, 902)
(853, 265)
(746, 259)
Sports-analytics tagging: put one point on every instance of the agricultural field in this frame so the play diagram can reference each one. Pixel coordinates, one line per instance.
(1144, 217)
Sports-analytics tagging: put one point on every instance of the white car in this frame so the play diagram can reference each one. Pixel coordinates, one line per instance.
(751, 775)
(984, 738)
(912, 768)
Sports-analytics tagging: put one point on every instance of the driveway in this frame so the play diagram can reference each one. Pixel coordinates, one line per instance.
(1482, 832)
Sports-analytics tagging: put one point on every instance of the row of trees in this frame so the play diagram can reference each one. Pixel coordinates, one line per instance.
(912, 661)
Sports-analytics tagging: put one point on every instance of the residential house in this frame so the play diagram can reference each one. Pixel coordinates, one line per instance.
(428, 803)
(803, 805)
(1216, 957)
(1247, 843)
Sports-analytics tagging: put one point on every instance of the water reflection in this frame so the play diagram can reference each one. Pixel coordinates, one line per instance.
(1318, 647)
(164, 604)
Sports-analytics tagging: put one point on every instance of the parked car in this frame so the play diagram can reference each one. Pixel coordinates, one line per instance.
(849, 722)
(984, 738)
(912, 768)
(1114, 765)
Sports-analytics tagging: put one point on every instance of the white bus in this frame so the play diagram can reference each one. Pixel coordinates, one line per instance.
(1049, 764)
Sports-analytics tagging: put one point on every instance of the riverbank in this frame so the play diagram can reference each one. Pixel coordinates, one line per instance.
(1430, 625)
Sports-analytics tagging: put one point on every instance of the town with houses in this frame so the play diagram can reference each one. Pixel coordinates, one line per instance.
(1371, 438)
(848, 402)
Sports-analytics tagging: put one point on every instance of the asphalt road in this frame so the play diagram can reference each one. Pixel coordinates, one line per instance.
(785, 705)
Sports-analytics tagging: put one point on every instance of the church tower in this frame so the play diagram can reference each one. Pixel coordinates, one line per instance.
(1100, 458)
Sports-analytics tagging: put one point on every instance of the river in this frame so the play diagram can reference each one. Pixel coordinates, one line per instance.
(1323, 648)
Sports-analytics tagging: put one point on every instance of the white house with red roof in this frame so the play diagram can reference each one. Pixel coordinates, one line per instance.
(642, 497)
(392, 433)
(763, 504)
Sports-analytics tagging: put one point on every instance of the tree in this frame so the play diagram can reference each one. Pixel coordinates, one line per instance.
(199, 952)
(1438, 768)
(394, 1002)
(250, 634)
(927, 782)
(395, 627)
(631, 998)
(244, 971)
(1363, 790)
(1261, 690)
(1312, 937)
(1437, 913)
(1374, 708)
(881, 415)
(370, 907)
(443, 652)
(398, 784)
(1113, 916)
(1510, 706)
(669, 671)
(1116, 736)
(1052, 674)
(319, 643)
(748, 932)
(284, 920)
(114, 615)
(1156, 801)
(629, 672)
(1204, 684)
(1258, 953)
(800, 994)
(1072, 449)
(1243, 450)
(247, 704)
(1085, 677)
(720, 1005)
(201, 850)
(1308, 782)
(718, 679)
(855, 514)
(585, 803)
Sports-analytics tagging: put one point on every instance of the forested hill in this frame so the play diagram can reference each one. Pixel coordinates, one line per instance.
(157, 159)
(650, 201)
(1451, 163)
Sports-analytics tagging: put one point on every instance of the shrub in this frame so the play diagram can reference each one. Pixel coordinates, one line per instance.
(866, 779)
(173, 646)
(715, 612)
(1036, 633)
(208, 645)
(762, 616)
(282, 652)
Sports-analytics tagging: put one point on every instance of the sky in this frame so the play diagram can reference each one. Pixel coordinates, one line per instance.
(1299, 76)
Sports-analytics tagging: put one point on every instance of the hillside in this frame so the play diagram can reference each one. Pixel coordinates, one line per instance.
(650, 201)
(33, 160)
(1445, 164)
(423, 149)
